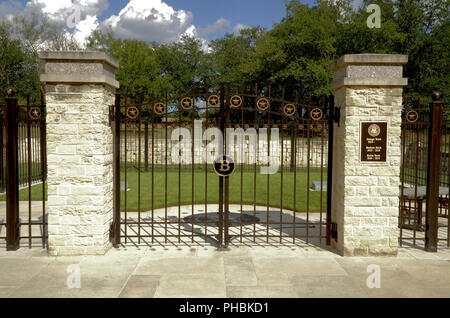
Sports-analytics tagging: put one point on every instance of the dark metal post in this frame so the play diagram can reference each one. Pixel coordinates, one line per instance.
(293, 142)
(221, 179)
(43, 148)
(2, 166)
(227, 179)
(433, 169)
(146, 145)
(330, 166)
(116, 167)
(12, 173)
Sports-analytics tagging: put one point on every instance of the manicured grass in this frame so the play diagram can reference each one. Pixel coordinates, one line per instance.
(244, 181)
(202, 180)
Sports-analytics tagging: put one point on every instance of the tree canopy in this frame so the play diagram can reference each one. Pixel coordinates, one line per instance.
(296, 53)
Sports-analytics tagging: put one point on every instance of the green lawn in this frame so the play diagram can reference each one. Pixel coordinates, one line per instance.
(210, 181)
(244, 180)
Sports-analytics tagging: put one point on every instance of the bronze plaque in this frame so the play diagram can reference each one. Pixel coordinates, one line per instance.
(373, 141)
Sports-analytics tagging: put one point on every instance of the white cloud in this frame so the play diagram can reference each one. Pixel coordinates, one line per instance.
(217, 26)
(151, 20)
(146, 20)
(238, 27)
(74, 17)
(59, 10)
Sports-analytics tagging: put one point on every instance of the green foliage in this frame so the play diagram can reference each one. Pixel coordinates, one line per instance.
(18, 67)
(295, 54)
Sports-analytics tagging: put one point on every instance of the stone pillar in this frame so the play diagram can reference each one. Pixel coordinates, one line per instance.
(80, 87)
(365, 192)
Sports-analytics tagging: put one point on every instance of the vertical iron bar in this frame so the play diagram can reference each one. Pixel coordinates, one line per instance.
(330, 166)
(43, 149)
(221, 152)
(146, 145)
(29, 160)
(12, 182)
(139, 123)
(269, 135)
(294, 130)
(227, 179)
(165, 168)
(116, 167)
(433, 168)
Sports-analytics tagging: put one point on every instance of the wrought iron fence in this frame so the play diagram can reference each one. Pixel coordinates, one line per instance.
(160, 199)
(425, 185)
(23, 173)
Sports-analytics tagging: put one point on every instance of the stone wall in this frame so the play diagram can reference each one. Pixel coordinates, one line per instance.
(365, 199)
(318, 152)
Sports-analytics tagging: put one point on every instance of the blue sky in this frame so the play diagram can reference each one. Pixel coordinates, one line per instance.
(162, 21)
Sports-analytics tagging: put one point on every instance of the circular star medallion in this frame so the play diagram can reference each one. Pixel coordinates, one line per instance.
(263, 104)
(236, 101)
(34, 113)
(187, 103)
(316, 114)
(159, 108)
(405, 212)
(289, 110)
(132, 112)
(224, 166)
(412, 116)
(213, 100)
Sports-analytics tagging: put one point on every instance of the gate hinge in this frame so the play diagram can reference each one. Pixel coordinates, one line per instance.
(337, 116)
(334, 231)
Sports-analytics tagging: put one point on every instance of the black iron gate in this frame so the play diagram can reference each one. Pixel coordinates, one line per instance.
(22, 173)
(176, 182)
(425, 176)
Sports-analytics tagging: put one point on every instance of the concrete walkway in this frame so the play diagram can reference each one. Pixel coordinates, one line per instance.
(207, 272)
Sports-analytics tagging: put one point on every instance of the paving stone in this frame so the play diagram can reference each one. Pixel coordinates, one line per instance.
(191, 286)
(186, 265)
(239, 271)
(140, 286)
(328, 287)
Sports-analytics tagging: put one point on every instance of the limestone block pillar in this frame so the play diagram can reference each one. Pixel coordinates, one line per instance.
(366, 164)
(80, 87)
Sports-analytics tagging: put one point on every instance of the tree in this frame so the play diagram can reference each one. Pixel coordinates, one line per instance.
(297, 52)
(18, 67)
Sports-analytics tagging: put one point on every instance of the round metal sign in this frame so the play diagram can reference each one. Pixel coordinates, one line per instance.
(213, 100)
(263, 104)
(316, 114)
(34, 113)
(289, 110)
(132, 112)
(159, 108)
(187, 103)
(236, 101)
(412, 116)
(224, 166)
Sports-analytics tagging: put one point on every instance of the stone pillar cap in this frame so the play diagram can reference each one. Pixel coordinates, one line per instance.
(372, 70)
(79, 56)
(79, 67)
(369, 58)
